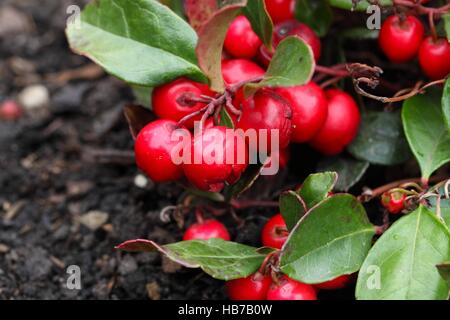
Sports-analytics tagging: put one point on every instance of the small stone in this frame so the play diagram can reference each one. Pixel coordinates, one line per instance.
(94, 219)
(153, 290)
(13, 21)
(140, 181)
(3, 248)
(34, 97)
(127, 265)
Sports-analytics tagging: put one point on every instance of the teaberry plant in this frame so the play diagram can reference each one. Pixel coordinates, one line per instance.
(219, 66)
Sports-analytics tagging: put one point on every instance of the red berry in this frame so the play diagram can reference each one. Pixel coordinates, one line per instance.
(153, 150)
(400, 40)
(241, 41)
(253, 287)
(280, 10)
(337, 283)
(171, 100)
(341, 125)
(291, 28)
(205, 230)
(274, 232)
(217, 156)
(266, 110)
(394, 202)
(10, 110)
(289, 289)
(309, 110)
(237, 70)
(434, 58)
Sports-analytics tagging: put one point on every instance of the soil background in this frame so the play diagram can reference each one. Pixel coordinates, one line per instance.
(68, 164)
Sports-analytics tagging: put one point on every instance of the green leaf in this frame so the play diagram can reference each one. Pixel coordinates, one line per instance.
(444, 205)
(247, 179)
(444, 271)
(224, 260)
(314, 189)
(362, 5)
(332, 239)
(260, 20)
(402, 263)
(426, 131)
(350, 171)
(143, 95)
(317, 14)
(446, 103)
(210, 44)
(292, 64)
(225, 119)
(446, 19)
(380, 139)
(359, 33)
(125, 38)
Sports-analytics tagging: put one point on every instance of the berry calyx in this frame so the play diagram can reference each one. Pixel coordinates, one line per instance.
(394, 202)
(309, 110)
(341, 125)
(153, 150)
(10, 110)
(337, 283)
(266, 113)
(274, 232)
(280, 10)
(241, 41)
(218, 155)
(289, 289)
(253, 287)
(291, 28)
(206, 230)
(174, 101)
(434, 58)
(400, 39)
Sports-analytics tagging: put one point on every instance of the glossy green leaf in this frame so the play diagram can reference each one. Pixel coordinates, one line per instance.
(349, 171)
(248, 178)
(292, 64)
(402, 263)
(444, 205)
(317, 14)
(446, 19)
(332, 239)
(359, 33)
(426, 131)
(125, 38)
(224, 260)
(256, 12)
(210, 44)
(314, 189)
(380, 139)
(143, 95)
(362, 5)
(446, 103)
(225, 119)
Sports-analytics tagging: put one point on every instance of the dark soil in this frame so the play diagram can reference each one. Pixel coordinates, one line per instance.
(72, 157)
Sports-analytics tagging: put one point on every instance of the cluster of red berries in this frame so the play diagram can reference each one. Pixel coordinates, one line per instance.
(402, 39)
(327, 120)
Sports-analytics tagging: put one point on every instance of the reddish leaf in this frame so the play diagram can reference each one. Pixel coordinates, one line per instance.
(137, 245)
(210, 44)
(199, 11)
(137, 117)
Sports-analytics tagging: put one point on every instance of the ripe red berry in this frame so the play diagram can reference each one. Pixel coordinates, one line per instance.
(171, 100)
(10, 110)
(289, 289)
(341, 125)
(153, 149)
(253, 287)
(205, 230)
(394, 202)
(280, 10)
(241, 41)
(400, 40)
(434, 57)
(291, 28)
(267, 111)
(337, 283)
(309, 110)
(237, 70)
(274, 232)
(217, 156)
